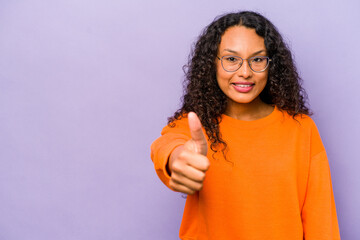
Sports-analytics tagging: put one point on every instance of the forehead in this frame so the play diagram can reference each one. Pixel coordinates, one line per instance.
(242, 40)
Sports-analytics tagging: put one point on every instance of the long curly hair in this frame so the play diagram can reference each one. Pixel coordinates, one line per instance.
(202, 94)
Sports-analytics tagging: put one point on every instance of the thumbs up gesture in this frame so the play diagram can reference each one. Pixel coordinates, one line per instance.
(188, 163)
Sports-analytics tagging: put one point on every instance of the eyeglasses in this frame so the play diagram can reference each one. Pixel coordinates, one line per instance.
(233, 63)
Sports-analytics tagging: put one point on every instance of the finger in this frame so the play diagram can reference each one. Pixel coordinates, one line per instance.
(191, 173)
(191, 159)
(182, 180)
(180, 188)
(195, 127)
(197, 134)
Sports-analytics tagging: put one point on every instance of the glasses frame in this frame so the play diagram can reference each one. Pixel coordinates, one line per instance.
(242, 62)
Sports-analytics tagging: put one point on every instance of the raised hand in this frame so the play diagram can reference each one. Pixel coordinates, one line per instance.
(188, 163)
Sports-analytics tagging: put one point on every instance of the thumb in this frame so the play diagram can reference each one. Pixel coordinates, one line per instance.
(197, 134)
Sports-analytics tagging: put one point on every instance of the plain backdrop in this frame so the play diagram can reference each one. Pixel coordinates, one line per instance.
(86, 86)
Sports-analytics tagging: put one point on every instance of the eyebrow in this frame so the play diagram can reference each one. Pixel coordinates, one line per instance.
(235, 52)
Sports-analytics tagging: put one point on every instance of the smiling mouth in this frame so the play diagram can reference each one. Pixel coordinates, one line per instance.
(243, 85)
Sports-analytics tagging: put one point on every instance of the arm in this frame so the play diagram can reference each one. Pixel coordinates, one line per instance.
(319, 212)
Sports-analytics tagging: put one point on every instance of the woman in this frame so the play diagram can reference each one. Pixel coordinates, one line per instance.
(243, 146)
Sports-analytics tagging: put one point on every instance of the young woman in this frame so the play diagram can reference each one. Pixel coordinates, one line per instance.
(243, 146)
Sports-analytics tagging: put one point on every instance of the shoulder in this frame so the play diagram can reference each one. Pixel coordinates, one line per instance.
(302, 121)
(306, 127)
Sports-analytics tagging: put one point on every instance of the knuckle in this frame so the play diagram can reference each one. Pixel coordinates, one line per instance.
(174, 177)
(178, 180)
(202, 176)
(173, 185)
(204, 145)
(183, 157)
(192, 148)
(191, 192)
(176, 167)
(206, 164)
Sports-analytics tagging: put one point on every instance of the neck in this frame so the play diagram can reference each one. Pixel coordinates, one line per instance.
(248, 111)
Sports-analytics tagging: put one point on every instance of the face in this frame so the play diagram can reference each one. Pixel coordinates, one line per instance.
(242, 86)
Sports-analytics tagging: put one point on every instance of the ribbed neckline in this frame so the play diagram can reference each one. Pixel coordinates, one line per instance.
(272, 117)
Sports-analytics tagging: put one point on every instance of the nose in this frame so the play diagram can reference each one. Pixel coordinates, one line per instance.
(245, 70)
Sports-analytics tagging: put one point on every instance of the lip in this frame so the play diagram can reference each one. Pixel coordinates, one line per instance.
(243, 89)
(244, 83)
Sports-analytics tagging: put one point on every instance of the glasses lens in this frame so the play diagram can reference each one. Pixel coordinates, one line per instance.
(259, 64)
(231, 63)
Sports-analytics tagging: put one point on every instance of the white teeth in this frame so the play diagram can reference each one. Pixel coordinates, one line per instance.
(240, 85)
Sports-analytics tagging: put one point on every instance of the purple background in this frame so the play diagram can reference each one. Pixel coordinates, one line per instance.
(86, 86)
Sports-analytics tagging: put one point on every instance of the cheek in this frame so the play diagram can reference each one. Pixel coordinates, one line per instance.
(223, 80)
(264, 78)
(218, 70)
(222, 75)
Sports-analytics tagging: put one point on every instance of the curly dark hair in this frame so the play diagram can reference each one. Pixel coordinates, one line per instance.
(202, 94)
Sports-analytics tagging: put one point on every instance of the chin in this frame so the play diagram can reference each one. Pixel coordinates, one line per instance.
(242, 100)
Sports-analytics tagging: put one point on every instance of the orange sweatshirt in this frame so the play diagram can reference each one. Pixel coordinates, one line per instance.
(274, 184)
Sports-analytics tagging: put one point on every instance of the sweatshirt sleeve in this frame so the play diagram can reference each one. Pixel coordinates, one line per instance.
(161, 148)
(319, 211)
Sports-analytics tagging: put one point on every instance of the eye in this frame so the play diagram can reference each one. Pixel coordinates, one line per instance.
(258, 59)
(231, 59)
